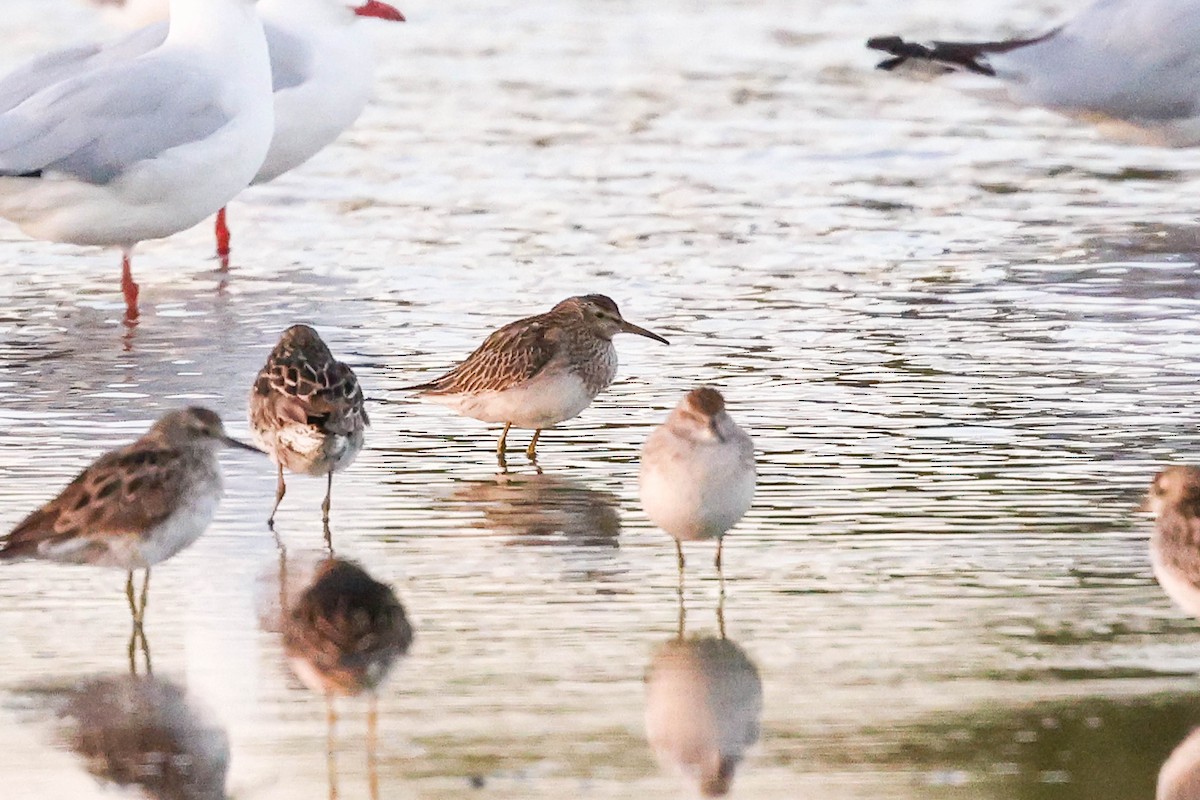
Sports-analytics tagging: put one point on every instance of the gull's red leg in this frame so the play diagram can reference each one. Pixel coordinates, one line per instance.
(129, 289)
(223, 240)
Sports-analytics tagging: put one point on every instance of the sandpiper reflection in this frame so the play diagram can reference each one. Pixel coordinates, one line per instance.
(703, 707)
(539, 508)
(1179, 778)
(342, 635)
(141, 732)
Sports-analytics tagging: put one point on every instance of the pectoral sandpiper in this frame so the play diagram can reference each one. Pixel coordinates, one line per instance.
(306, 411)
(539, 371)
(697, 474)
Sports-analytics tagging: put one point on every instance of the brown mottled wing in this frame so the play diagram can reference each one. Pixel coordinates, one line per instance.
(124, 492)
(509, 357)
(325, 395)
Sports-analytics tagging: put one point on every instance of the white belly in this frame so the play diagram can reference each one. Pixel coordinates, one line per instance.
(540, 403)
(306, 451)
(694, 491)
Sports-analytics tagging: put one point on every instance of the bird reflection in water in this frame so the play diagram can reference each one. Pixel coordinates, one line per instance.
(544, 509)
(342, 636)
(1179, 778)
(140, 731)
(703, 706)
(1174, 500)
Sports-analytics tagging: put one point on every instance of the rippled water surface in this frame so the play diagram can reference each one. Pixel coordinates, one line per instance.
(963, 336)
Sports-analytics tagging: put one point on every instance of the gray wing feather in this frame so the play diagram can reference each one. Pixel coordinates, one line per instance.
(47, 70)
(291, 58)
(95, 125)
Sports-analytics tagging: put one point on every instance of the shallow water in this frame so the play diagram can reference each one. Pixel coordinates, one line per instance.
(963, 336)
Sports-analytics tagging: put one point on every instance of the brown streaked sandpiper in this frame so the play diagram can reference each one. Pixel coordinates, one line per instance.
(135, 506)
(306, 411)
(697, 473)
(539, 371)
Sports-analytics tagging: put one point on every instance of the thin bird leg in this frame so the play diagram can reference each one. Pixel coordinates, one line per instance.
(331, 746)
(280, 491)
(373, 747)
(679, 554)
(133, 613)
(531, 452)
(133, 638)
(129, 288)
(720, 572)
(503, 443)
(326, 504)
(682, 608)
(721, 612)
(223, 241)
(145, 596)
(146, 652)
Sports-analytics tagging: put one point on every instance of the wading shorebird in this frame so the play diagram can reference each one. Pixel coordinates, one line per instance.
(697, 474)
(139, 146)
(136, 506)
(539, 371)
(1129, 66)
(306, 411)
(1174, 500)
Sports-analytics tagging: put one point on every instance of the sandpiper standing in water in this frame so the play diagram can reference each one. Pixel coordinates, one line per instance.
(1174, 499)
(306, 411)
(539, 371)
(136, 506)
(697, 473)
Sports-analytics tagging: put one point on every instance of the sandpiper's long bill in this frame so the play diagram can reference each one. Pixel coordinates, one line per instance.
(136, 506)
(539, 371)
(307, 412)
(697, 473)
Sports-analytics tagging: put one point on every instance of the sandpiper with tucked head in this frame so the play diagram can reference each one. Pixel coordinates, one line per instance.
(1174, 500)
(539, 371)
(306, 411)
(697, 473)
(136, 506)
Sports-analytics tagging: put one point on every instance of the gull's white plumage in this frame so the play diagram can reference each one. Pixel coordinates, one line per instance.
(142, 147)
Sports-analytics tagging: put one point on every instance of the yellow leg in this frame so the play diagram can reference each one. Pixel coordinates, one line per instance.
(502, 445)
(133, 611)
(280, 491)
(532, 450)
(145, 595)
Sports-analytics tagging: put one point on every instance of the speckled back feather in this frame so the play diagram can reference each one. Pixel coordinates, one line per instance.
(302, 383)
(509, 357)
(125, 492)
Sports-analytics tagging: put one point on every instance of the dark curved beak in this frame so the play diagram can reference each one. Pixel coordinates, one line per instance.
(379, 10)
(629, 327)
(231, 442)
